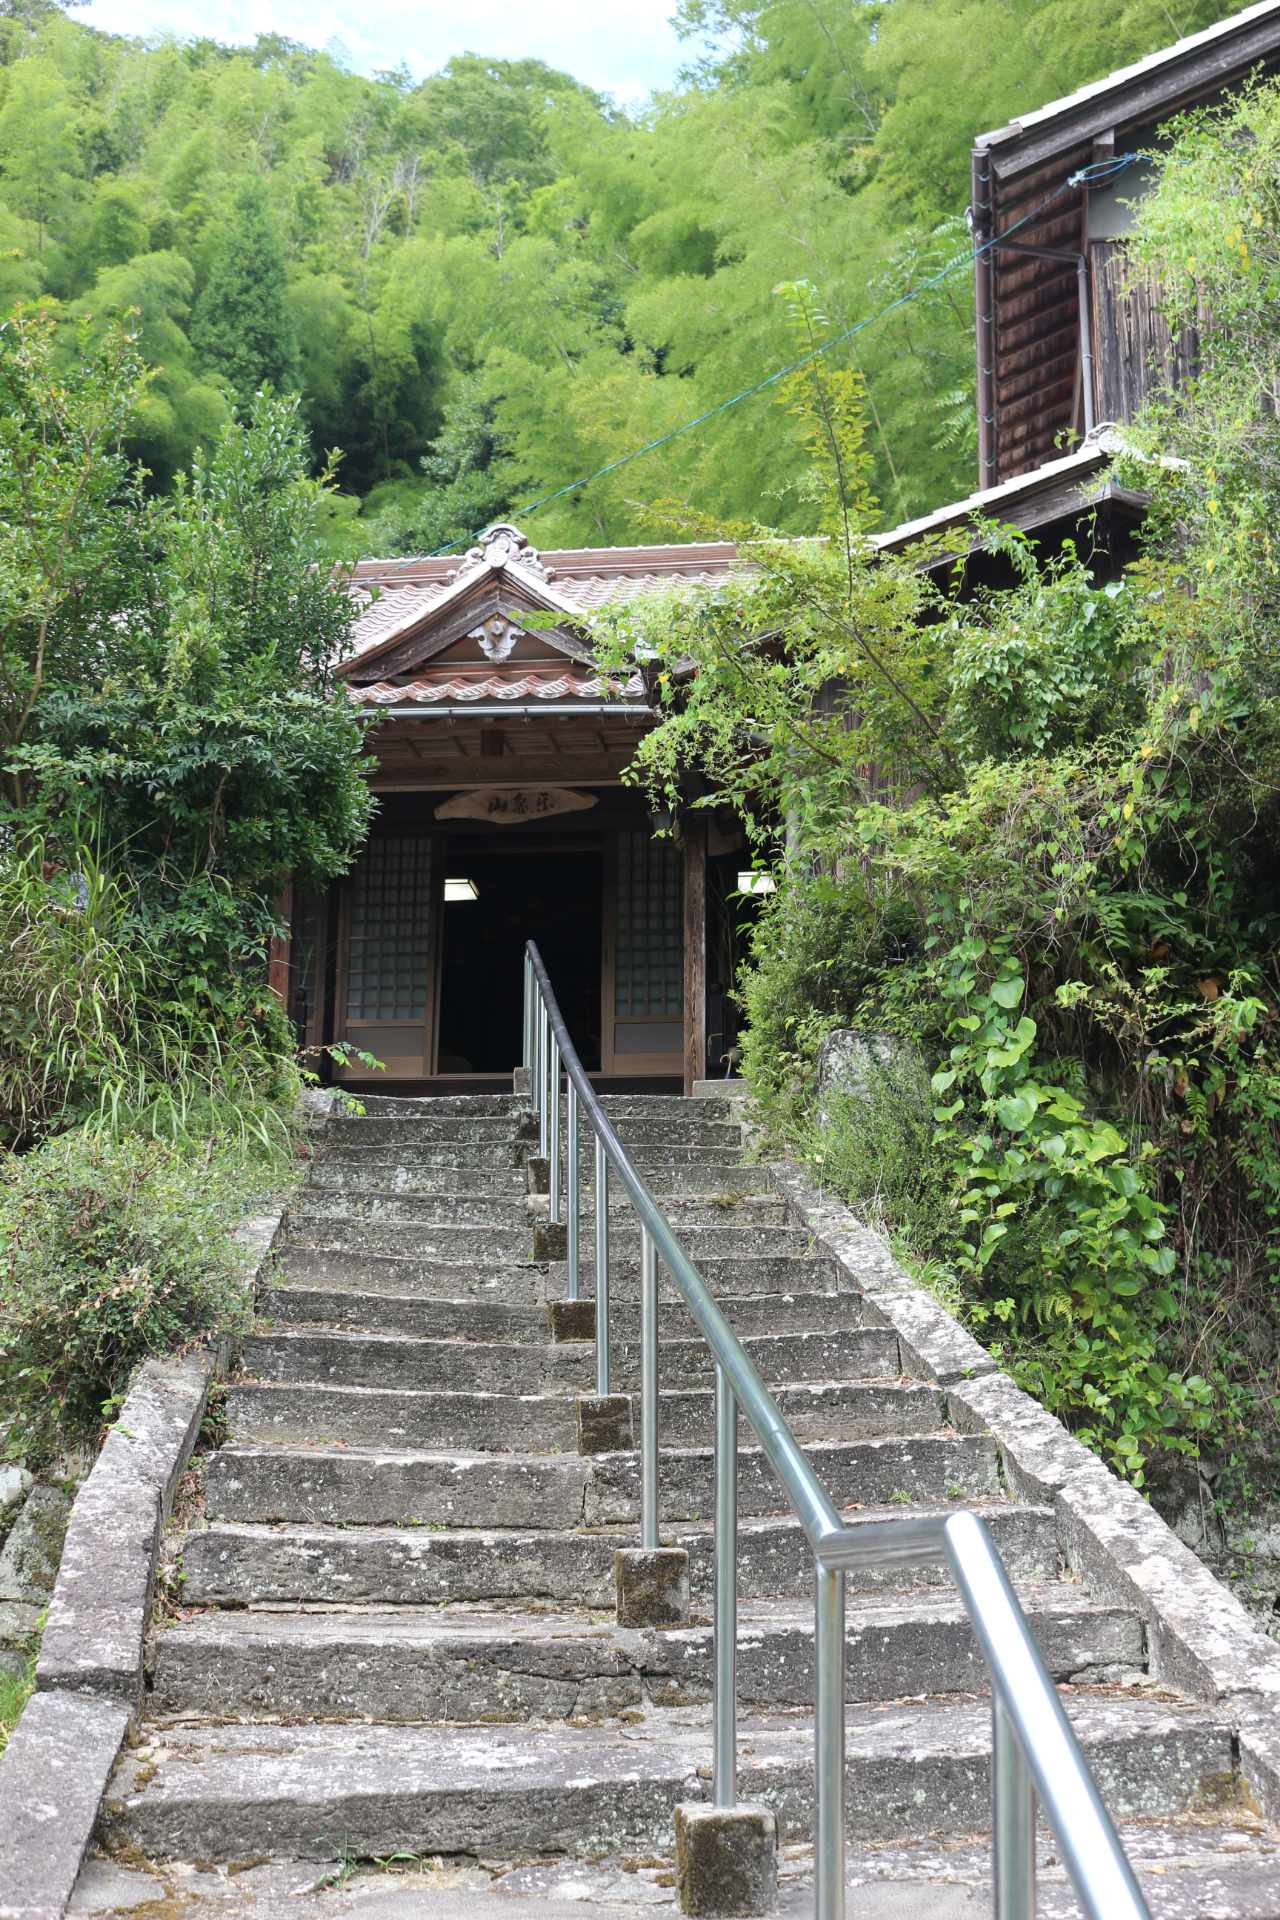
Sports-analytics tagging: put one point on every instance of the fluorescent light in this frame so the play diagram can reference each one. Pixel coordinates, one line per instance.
(750, 883)
(461, 890)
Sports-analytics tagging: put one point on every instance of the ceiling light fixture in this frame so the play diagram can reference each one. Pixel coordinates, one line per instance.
(461, 890)
(749, 883)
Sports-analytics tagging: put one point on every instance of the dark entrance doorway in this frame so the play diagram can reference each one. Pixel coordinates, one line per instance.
(522, 893)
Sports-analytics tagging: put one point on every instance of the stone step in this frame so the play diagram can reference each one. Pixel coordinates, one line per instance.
(424, 1665)
(523, 1282)
(396, 1487)
(647, 1129)
(233, 1564)
(470, 1242)
(701, 1212)
(288, 1792)
(546, 1423)
(353, 1172)
(474, 1318)
(394, 1106)
(370, 1359)
(499, 1153)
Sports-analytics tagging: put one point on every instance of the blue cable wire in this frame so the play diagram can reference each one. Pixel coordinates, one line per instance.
(1084, 176)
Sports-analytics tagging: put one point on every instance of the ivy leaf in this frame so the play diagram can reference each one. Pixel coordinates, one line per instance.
(941, 1081)
(1018, 1110)
(1007, 993)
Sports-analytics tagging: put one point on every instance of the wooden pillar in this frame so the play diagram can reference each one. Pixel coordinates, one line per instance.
(278, 965)
(695, 950)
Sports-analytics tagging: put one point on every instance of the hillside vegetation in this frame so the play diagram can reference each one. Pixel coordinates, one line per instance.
(493, 283)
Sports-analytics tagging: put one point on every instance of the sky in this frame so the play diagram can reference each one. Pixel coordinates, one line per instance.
(627, 49)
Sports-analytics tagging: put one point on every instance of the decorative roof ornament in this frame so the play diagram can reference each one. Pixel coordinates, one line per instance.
(500, 546)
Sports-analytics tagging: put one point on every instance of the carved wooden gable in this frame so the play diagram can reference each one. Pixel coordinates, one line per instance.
(476, 621)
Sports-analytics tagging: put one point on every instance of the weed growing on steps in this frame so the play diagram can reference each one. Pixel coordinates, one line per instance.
(15, 1691)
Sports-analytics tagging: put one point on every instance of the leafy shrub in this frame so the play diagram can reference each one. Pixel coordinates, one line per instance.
(112, 1251)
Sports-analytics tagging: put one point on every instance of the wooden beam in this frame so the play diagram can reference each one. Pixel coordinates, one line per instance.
(278, 964)
(695, 951)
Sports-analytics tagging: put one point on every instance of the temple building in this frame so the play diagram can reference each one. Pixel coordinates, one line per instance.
(504, 817)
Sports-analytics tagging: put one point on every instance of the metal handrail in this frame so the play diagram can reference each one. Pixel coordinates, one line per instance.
(1034, 1747)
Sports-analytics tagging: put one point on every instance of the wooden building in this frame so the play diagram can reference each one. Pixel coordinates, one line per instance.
(503, 817)
(1069, 338)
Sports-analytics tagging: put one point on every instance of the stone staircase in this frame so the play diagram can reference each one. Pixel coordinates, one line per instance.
(396, 1633)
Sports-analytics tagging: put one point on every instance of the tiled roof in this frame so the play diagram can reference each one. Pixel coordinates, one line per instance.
(577, 578)
(498, 687)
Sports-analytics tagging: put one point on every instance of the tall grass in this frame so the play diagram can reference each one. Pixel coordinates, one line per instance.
(99, 1028)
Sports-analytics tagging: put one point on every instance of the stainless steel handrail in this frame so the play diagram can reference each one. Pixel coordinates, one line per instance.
(1034, 1748)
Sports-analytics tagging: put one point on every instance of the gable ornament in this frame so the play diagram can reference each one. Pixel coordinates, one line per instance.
(497, 637)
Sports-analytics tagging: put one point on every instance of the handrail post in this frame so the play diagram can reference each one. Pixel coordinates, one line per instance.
(648, 1391)
(602, 1269)
(554, 1096)
(724, 1710)
(544, 1030)
(526, 1060)
(828, 1758)
(574, 1191)
(1014, 1821)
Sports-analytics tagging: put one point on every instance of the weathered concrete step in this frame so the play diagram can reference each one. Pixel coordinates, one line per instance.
(546, 1423)
(234, 1564)
(499, 1242)
(526, 1282)
(321, 1204)
(233, 1793)
(394, 1107)
(455, 1153)
(645, 1129)
(396, 1487)
(476, 1318)
(336, 1177)
(352, 1171)
(428, 1666)
(368, 1359)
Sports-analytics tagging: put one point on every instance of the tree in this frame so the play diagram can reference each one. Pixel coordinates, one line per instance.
(242, 327)
(66, 533)
(208, 741)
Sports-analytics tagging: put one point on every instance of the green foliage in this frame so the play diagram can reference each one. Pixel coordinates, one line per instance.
(104, 1020)
(602, 277)
(112, 1251)
(66, 540)
(203, 734)
(242, 328)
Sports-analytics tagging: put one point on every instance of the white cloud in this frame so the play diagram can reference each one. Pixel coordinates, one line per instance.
(626, 49)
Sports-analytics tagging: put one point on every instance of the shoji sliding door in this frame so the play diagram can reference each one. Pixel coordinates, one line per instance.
(386, 962)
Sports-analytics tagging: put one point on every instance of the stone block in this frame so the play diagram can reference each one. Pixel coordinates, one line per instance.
(52, 1776)
(851, 1060)
(571, 1320)
(29, 1560)
(97, 1617)
(551, 1240)
(652, 1586)
(604, 1423)
(933, 1345)
(726, 1858)
(15, 1485)
(522, 1082)
(537, 1173)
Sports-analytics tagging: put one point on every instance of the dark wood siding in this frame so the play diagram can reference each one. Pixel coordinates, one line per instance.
(1136, 354)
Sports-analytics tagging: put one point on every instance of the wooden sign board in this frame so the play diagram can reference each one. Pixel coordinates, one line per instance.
(512, 806)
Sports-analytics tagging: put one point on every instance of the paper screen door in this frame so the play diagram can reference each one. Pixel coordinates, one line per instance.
(642, 995)
(386, 980)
